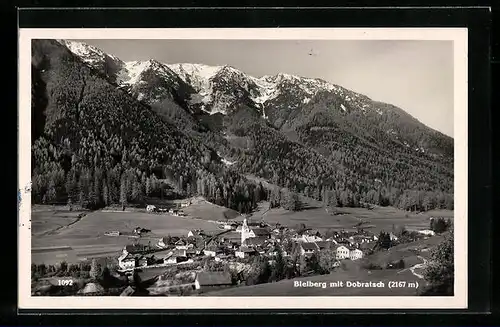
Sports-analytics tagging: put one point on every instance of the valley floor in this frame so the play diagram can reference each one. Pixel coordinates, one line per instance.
(77, 236)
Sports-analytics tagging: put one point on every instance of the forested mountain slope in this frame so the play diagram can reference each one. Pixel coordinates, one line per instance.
(95, 144)
(202, 128)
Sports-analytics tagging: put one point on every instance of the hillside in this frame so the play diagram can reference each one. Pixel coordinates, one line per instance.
(97, 145)
(202, 128)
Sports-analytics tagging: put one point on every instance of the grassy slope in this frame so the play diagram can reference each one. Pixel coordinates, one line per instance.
(286, 287)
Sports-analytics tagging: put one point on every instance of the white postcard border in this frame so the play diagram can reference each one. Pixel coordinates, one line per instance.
(459, 300)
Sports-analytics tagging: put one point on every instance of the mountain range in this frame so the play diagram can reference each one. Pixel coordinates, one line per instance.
(212, 130)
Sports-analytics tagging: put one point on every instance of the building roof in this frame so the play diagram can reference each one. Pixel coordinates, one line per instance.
(134, 248)
(208, 278)
(311, 246)
(162, 254)
(261, 231)
(246, 249)
(231, 235)
(213, 248)
(255, 241)
(179, 253)
(92, 288)
(324, 245)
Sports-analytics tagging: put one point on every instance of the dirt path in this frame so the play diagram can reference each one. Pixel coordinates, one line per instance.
(57, 229)
(417, 266)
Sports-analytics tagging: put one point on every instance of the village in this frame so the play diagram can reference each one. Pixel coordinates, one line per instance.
(239, 242)
(157, 253)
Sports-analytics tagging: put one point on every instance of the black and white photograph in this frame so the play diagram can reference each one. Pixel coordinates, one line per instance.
(289, 168)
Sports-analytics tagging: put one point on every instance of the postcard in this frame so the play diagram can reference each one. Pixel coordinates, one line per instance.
(277, 168)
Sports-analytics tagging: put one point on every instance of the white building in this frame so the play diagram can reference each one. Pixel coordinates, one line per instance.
(245, 232)
(310, 238)
(126, 261)
(342, 252)
(150, 208)
(212, 252)
(356, 254)
(308, 248)
(244, 252)
(427, 232)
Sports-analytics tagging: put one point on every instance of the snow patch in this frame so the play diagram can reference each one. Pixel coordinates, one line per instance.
(225, 161)
(264, 114)
(343, 107)
(306, 100)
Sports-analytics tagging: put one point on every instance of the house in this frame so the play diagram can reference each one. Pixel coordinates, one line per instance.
(427, 232)
(336, 264)
(176, 256)
(273, 252)
(342, 252)
(308, 248)
(112, 233)
(231, 237)
(170, 260)
(208, 279)
(355, 254)
(393, 237)
(331, 239)
(126, 261)
(182, 245)
(150, 208)
(194, 233)
(245, 252)
(212, 251)
(163, 242)
(162, 255)
(180, 252)
(255, 241)
(324, 245)
(142, 261)
(230, 226)
(134, 248)
(261, 232)
(260, 249)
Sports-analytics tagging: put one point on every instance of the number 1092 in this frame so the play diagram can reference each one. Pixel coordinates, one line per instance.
(65, 282)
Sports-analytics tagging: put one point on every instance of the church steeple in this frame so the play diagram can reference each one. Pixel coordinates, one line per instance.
(245, 231)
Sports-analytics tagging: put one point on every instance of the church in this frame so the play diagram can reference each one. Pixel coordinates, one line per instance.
(248, 232)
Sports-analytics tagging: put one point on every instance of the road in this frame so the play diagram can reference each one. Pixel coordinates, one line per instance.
(417, 266)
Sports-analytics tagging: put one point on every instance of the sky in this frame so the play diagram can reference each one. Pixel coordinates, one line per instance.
(416, 76)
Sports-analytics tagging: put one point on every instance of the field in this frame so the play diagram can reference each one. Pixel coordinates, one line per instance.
(201, 209)
(86, 236)
(83, 232)
(375, 220)
(48, 220)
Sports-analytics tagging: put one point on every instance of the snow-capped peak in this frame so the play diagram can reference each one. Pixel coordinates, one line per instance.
(201, 71)
(131, 71)
(217, 88)
(89, 54)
